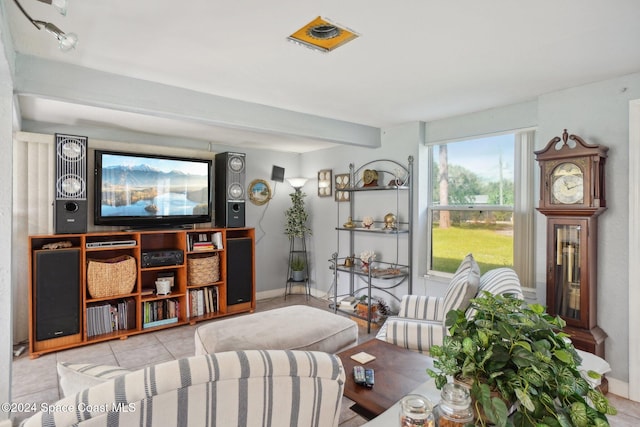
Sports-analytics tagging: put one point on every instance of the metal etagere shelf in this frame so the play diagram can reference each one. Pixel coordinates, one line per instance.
(391, 178)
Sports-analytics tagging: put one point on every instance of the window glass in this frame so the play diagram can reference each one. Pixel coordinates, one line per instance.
(472, 200)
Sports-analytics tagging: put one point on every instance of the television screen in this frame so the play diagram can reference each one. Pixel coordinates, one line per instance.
(151, 191)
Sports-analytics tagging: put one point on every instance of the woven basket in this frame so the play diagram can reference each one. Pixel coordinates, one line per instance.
(203, 269)
(113, 276)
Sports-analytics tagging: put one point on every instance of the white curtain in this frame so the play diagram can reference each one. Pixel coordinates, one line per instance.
(524, 209)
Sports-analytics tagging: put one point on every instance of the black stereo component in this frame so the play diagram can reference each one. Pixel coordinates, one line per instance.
(70, 212)
(57, 293)
(161, 258)
(230, 172)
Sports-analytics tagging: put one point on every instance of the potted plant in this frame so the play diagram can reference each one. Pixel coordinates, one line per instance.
(297, 216)
(518, 352)
(297, 269)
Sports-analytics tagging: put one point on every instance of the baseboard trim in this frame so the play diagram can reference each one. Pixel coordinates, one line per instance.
(274, 293)
(619, 388)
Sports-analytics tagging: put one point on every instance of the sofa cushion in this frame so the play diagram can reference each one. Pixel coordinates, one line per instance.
(463, 286)
(498, 281)
(248, 388)
(74, 377)
(296, 327)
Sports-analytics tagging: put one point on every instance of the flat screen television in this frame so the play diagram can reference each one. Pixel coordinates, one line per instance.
(151, 191)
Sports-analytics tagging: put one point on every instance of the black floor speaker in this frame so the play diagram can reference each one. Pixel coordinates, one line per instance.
(70, 213)
(230, 172)
(239, 270)
(57, 293)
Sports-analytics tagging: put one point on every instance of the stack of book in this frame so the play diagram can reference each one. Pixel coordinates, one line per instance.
(161, 312)
(111, 317)
(203, 301)
(348, 303)
(202, 246)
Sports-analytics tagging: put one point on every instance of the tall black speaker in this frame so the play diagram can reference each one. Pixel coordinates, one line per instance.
(71, 184)
(57, 292)
(230, 197)
(239, 270)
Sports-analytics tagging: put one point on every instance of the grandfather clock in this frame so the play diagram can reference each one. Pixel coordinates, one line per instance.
(572, 196)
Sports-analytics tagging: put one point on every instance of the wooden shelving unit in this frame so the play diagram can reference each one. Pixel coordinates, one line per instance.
(108, 245)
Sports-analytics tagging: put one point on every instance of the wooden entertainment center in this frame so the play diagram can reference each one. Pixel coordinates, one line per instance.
(55, 283)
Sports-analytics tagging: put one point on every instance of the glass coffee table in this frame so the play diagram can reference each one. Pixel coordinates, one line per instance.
(398, 372)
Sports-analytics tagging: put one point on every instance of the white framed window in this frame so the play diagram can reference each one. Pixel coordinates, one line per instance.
(480, 201)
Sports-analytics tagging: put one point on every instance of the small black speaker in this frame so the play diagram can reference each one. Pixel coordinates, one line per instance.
(70, 211)
(230, 170)
(57, 293)
(239, 270)
(277, 174)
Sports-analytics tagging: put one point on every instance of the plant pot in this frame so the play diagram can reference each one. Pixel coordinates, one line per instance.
(297, 275)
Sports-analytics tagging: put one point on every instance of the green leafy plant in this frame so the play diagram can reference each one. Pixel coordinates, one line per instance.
(296, 215)
(518, 351)
(297, 264)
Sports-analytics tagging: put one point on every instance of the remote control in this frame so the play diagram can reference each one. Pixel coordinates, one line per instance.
(369, 377)
(359, 375)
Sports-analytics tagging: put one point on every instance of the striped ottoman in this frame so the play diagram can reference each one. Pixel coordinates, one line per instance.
(296, 327)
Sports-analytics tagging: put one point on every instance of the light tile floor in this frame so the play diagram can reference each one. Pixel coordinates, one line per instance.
(35, 380)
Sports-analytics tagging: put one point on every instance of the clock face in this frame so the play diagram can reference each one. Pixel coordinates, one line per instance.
(567, 184)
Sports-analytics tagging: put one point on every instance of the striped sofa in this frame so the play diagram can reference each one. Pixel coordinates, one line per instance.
(235, 388)
(420, 322)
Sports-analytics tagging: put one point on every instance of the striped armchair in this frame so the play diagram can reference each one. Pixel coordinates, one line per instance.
(421, 320)
(236, 388)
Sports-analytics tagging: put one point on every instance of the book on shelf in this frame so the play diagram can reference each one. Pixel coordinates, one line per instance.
(348, 303)
(162, 322)
(203, 301)
(160, 310)
(111, 317)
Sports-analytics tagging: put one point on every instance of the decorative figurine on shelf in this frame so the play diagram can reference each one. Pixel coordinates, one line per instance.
(367, 222)
(367, 257)
(349, 223)
(389, 221)
(348, 261)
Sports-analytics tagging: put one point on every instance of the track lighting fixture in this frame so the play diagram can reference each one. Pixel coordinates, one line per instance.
(66, 41)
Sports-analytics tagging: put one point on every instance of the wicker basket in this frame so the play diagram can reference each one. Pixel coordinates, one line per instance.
(203, 269)
(113, 276)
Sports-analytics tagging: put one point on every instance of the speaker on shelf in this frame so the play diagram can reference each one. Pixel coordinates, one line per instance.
(230, 170)
(57, 293)
(239, 270)
(70, 211)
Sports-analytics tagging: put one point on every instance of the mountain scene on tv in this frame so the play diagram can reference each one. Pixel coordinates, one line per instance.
(157, 187)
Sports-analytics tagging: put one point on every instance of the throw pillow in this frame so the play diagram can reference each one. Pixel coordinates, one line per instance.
(463, 286)
(498, 281)
(75, 377)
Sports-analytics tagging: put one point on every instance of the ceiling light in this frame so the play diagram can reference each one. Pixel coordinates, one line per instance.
(59, 5)
(66, 41)
(323, 35)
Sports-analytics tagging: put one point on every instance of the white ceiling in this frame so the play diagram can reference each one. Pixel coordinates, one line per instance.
(415, 60)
